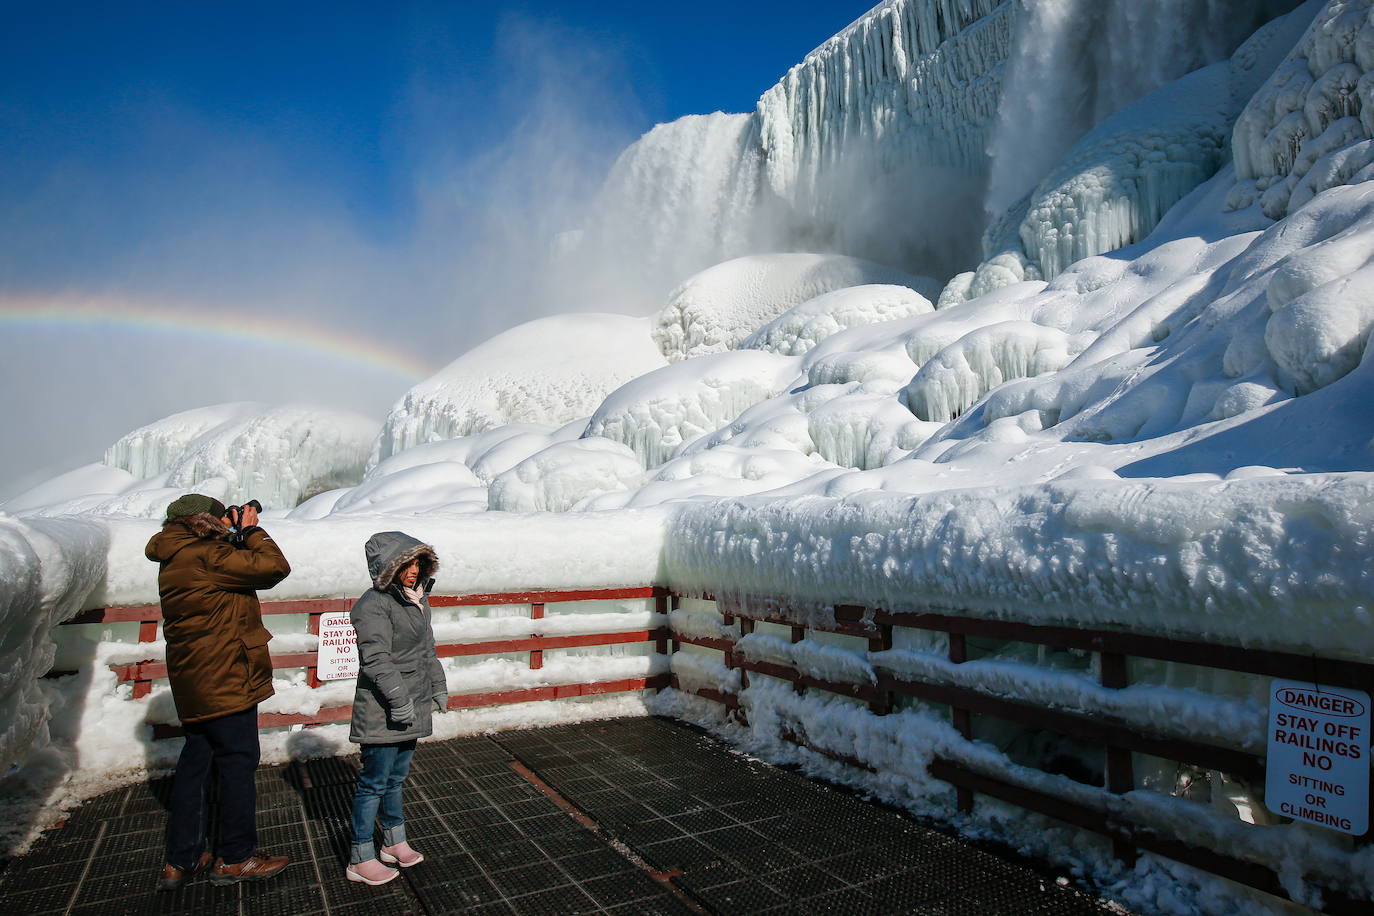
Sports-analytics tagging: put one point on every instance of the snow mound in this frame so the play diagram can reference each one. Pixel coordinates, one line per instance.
(437, 486)
(717, 309)
(548, 371)
(801, 327)
(659, 413)
(565, 474)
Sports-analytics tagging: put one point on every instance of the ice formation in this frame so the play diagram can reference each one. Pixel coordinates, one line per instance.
(657, 414)
(803, 326)
(719, 308)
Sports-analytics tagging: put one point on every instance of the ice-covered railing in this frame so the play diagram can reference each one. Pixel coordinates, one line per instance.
(1117, 733)
(493, 645)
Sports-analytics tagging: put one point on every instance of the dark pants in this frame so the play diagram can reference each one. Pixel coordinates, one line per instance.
(230, 743)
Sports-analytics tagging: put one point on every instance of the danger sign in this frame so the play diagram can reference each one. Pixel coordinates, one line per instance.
(337, 656)
(1318, 767)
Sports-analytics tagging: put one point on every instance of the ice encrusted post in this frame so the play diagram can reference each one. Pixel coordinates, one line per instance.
(1114, 675)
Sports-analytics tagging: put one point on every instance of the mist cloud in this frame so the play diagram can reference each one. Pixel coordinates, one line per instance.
(219, 217)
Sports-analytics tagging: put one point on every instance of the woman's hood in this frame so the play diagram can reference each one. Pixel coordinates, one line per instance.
(388, 552)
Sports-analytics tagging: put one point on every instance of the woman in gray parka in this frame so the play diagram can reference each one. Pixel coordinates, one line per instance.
(400, 684)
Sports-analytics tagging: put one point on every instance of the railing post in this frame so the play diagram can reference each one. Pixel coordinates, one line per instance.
(312, 673)
(147, 632)
(798, 634)
(536, 655)
(963, 722)
(1120, 767)
(882, 704)
(674, 604)
(661, 607)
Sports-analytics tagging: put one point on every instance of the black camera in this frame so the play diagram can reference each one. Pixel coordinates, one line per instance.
(235, 514)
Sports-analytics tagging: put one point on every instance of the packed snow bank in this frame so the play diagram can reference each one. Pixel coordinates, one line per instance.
(489, 552)
(47, 570)
(549, 371)
(1279, 561)
(719, 308)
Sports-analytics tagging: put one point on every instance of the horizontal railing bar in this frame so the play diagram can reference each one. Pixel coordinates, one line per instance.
(150, 670)
(1105, 731)
(549, 597)
(705, 642)
(1266, 662)
(461, 701)
(143, 613)
(542, 643)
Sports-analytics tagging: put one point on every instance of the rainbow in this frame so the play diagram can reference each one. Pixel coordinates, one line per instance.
(225, 326)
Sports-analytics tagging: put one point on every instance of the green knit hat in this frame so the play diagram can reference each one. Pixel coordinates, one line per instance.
(195, 504)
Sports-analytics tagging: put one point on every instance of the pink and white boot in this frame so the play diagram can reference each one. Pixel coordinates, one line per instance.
(370, 872)
(402, 854)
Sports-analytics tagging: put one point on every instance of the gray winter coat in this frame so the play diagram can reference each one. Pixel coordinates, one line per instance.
(395, 644)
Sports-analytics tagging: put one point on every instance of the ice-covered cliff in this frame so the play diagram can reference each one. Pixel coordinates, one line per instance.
(905, 136)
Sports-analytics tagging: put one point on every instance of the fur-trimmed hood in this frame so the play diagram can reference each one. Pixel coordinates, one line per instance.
(388, 552)
(177, 532)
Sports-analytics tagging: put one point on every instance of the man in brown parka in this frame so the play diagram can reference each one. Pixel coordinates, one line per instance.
(220, 669)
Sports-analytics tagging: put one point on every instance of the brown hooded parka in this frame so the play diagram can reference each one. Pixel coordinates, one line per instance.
(217, 657)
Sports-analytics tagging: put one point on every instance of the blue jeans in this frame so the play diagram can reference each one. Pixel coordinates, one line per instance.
(385, 767)
(230, 744)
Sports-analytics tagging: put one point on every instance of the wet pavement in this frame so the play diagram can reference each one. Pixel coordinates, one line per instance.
(630, 816)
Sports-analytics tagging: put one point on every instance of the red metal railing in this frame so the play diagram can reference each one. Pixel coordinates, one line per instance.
(148, 617)
(1119, 739)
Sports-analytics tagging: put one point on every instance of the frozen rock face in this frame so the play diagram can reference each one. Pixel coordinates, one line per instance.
(801, 327)
(1113, 186)
(548, 371)
(279, 456)
(719, 308)
(1073, 63)
(903, 137)
(1309, 127)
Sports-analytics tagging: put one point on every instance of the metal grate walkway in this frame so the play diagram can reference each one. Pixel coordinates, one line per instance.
(632, 816)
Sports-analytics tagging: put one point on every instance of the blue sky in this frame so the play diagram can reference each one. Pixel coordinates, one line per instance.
(128, 126)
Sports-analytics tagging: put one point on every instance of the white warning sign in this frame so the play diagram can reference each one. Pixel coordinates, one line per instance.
(338, 653)
(1318, 766)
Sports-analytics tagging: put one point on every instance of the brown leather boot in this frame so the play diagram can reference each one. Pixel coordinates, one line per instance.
(173, 878)
(250, 869)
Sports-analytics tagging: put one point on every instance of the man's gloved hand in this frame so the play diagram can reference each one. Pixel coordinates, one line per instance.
(440, 702)
(404, 714)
